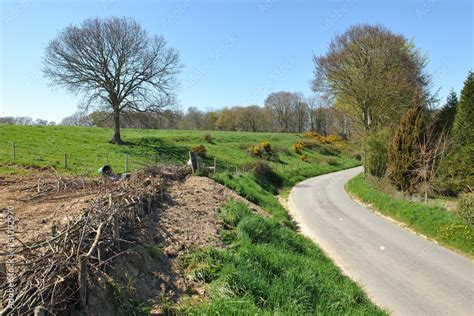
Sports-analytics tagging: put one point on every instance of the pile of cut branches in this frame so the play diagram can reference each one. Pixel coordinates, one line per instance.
(54, 272)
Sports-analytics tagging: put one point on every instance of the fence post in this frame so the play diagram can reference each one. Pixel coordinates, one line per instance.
(126, 162)
(14, 151)
(65, 160)
(83, 282)
(215, 165)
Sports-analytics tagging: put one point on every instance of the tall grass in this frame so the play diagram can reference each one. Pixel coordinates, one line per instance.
(268, 268)
(435, 222)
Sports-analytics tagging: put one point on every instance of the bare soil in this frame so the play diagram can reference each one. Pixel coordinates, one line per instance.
(188, 220)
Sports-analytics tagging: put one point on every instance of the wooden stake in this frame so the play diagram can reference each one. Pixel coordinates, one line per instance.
(126, 162)
(83, 283)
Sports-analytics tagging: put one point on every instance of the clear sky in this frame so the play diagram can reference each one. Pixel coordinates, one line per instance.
(233, 52)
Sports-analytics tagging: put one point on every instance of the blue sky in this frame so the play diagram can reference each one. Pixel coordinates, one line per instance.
(233, 52)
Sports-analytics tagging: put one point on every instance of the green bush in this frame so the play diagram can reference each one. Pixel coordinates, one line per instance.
(376, 155)
(208, 138)
(332, 161)
(466, 207)
(265, 175)
(199, 150)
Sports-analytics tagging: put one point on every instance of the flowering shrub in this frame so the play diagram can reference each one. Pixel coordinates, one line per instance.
(298, 147)
(457, 230)
(321, 138)
(304, 157)
(263, 150)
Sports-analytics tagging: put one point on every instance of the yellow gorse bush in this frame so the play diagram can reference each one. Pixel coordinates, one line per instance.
(321, 138)
(298, 147)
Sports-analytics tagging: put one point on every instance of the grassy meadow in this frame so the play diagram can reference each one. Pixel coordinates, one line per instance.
(88, 148)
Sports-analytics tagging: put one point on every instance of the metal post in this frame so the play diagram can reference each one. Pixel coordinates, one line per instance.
(65, 160)
(14, 151)
(215, 165)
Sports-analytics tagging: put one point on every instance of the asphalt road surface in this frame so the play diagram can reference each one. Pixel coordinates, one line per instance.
(400, 271)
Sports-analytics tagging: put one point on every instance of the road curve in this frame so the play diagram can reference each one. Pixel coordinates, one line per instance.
(400, 271)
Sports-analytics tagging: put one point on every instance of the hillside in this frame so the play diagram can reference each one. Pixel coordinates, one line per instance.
(87, 148)
(189, 257)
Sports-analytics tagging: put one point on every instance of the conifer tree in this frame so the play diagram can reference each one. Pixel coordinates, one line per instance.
(456, 172)
(403, 151)
(444, 118)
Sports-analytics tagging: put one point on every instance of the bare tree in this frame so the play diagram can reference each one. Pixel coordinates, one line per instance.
(115, 65)
(432, 148)
(77, 119)
(283, 106)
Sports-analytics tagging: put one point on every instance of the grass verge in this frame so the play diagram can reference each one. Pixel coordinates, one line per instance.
(434, 222)
(269, 268)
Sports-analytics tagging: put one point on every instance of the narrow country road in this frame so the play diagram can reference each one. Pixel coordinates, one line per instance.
(401, 272)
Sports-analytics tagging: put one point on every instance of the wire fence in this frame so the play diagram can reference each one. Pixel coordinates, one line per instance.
(13, 154)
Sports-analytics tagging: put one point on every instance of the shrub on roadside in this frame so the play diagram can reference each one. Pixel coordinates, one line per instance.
(466, 207)
(376, 153)
(404, 150)
(304, 158)
(332, 161)
(264, 174)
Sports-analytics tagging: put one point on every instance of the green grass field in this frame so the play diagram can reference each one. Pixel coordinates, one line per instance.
(435, 222)
(88, 148)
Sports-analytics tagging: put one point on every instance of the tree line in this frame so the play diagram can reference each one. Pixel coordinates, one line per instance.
(283, 112)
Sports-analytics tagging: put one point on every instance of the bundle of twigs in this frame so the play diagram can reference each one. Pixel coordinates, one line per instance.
(54, 272)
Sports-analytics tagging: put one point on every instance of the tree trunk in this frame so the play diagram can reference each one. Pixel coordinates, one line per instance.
(116, 139)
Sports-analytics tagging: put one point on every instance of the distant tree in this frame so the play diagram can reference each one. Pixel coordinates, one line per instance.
(314, 103)
(250, 118)
(456, 172)
(77, 119)
(404, 150)
(41, 122)
(283, 106)
(210, 119)
(444, 118)
(193, 119)
(301, 116)
(226, 120)
(16, 120)
(373, 74)
(115, 65)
